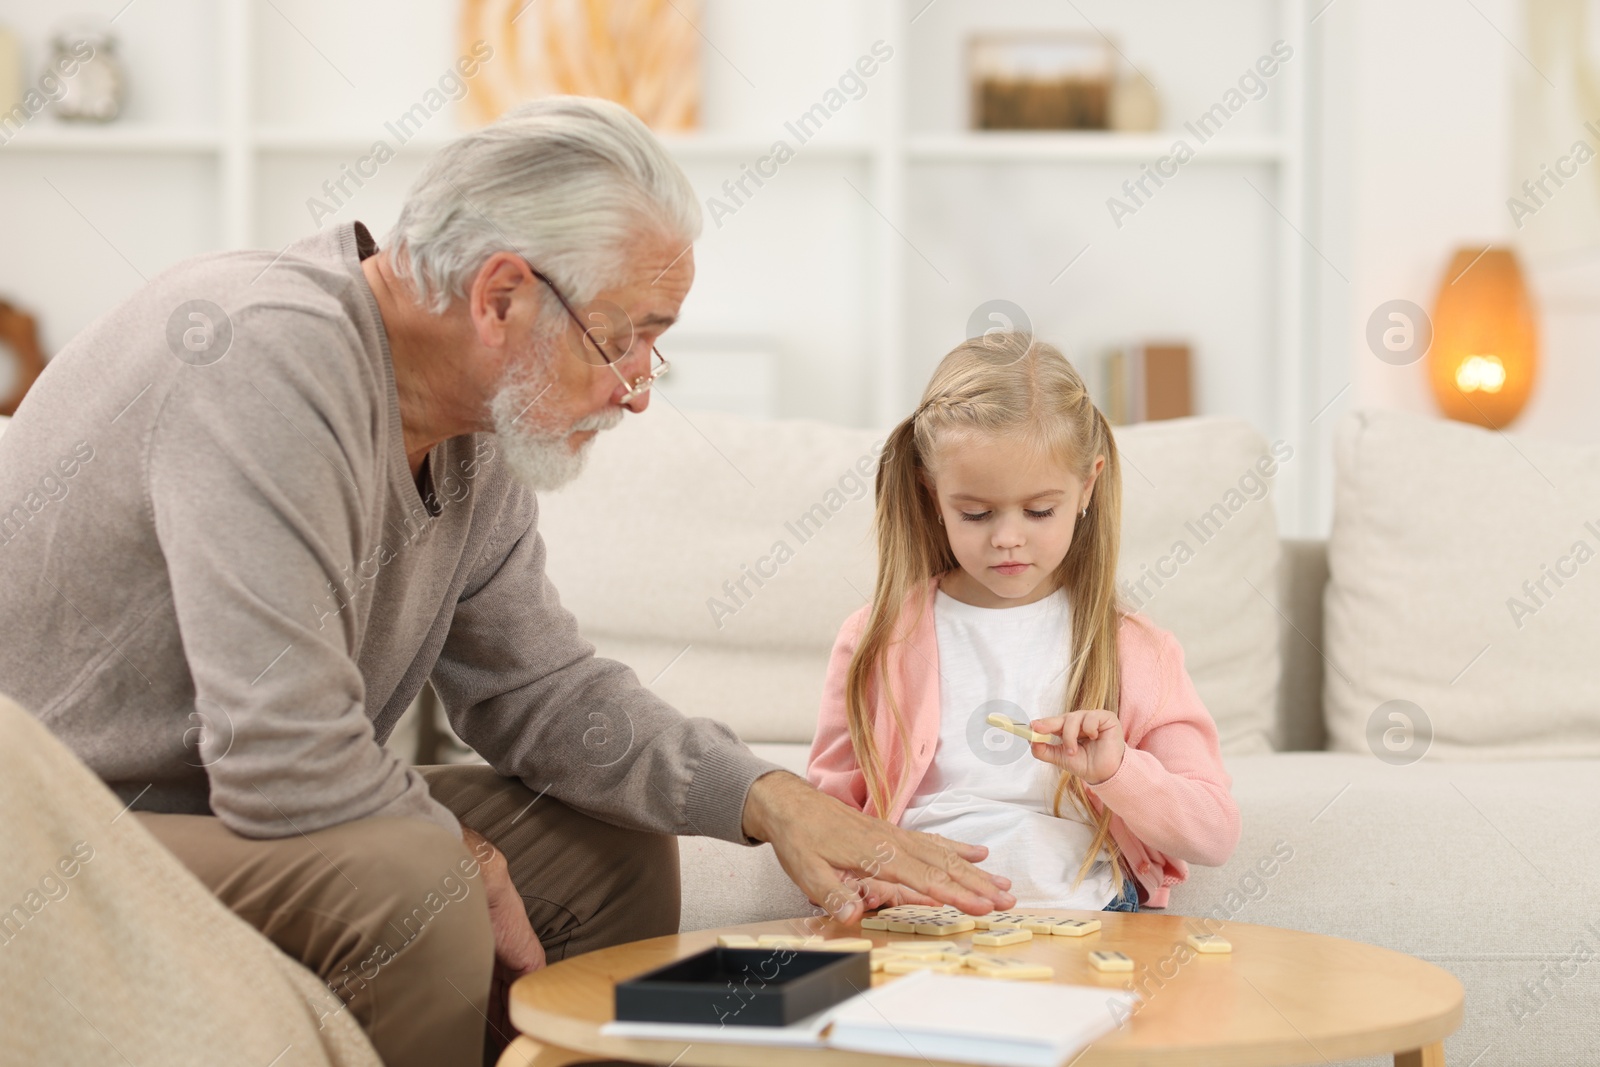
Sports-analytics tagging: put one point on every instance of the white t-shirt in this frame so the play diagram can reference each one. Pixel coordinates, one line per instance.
(984, 786)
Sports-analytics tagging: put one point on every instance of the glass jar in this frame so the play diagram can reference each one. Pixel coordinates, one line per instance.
(1039, 81)
(85, 59)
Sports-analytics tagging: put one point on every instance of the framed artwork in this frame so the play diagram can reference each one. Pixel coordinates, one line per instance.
(644, 54)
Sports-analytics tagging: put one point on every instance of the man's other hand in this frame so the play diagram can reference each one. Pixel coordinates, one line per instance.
(516, 948)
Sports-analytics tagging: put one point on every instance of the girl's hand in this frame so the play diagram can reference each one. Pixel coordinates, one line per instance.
(1091, 743)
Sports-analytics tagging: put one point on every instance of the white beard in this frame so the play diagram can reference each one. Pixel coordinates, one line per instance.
(534, 441)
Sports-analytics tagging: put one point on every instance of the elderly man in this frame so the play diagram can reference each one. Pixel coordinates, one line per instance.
(264, 499)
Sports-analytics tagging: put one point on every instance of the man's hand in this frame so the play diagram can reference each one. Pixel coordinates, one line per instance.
(516, 949)
(848, 862)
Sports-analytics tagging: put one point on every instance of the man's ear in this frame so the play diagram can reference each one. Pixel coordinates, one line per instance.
(501, 295)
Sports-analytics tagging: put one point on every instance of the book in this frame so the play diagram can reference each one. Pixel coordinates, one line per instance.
(1147, 382)
(930, 1016)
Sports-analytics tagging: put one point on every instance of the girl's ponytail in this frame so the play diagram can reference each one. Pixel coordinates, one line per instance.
(911, 549)
(1089, 574)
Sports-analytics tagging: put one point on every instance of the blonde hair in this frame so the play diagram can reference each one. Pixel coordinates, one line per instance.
(1001, 384)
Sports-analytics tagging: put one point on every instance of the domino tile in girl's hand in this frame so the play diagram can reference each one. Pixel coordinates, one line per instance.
(1023, 731)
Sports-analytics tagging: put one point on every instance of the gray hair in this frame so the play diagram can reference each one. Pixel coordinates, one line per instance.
(567, 182)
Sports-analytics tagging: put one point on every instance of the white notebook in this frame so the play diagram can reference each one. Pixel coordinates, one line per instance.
(979, 1020)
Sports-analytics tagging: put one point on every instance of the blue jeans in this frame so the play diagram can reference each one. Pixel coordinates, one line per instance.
(1129, 900)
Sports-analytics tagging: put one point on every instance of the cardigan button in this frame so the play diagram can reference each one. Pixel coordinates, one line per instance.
(1144, 867)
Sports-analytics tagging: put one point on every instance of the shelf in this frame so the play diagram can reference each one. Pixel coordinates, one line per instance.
(692, 146)
(1086, 146)
(358, 142)
(745, 147)
(48, 136)
(922, 148)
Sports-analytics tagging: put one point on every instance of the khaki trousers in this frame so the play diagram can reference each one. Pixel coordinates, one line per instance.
(390, 913)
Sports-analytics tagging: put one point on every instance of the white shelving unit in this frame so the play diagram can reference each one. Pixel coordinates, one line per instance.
(119, 139)
(907, 178)
(1079, 148)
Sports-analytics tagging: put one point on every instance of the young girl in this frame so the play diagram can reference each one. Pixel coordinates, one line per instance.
(998, 520)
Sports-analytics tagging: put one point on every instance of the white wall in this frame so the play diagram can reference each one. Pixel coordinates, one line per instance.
(1417, 159)
(1558, 88)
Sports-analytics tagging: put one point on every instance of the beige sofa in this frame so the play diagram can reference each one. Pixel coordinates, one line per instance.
(718, 557)
(1481, 857)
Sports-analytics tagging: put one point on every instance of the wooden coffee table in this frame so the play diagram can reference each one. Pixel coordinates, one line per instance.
(1281, 997)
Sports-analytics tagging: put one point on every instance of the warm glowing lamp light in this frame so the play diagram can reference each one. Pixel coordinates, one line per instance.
(1485, 351)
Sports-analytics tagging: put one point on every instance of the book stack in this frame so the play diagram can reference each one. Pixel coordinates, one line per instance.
(1148, 381)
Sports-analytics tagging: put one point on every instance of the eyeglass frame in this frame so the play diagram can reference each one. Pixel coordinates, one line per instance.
(640, 385)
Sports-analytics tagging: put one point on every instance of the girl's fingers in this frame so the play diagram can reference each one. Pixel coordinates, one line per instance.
(1071, 726)
(1086, 722)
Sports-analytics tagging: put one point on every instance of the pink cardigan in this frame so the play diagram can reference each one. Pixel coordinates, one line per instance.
(1169, 799)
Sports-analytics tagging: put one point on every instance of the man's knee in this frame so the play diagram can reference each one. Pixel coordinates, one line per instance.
(417, 872)
(420, 895)
(416, 975)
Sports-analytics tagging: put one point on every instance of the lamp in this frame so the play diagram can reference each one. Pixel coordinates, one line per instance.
(1485, 350)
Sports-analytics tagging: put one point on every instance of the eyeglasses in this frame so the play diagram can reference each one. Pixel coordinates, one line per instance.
(640, 385)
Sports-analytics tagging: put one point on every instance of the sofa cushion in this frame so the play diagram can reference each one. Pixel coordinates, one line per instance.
(1200, 557)
(1489, 870)
(718, 557)
(1465, 583)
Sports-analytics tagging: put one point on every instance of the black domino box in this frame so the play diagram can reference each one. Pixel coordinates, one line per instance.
(744, 987)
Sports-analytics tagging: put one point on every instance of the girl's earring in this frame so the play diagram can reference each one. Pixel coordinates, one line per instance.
(1084, 513)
